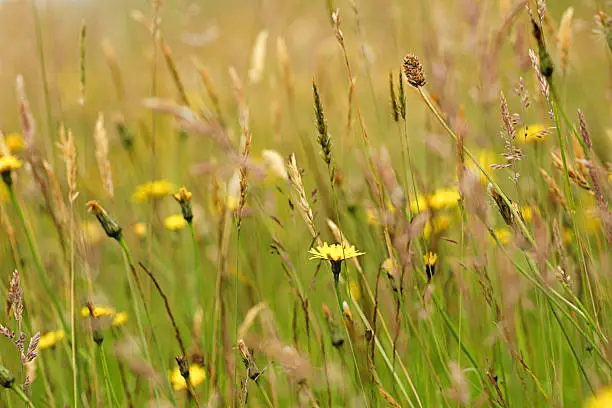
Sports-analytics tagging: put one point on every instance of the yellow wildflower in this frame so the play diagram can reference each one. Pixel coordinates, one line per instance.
(334, 252)
(98, 311)
(430, 264)
(504, 235)
(197, 375)
(603, 399)
(91, 232)
(120, 319)
(153, 190)
(8, 164)
(593, 220)
(436, 225)
(14, 142)
(50, 339)
(175, 222)
(535, 133)
(140, 229)
(441, 198)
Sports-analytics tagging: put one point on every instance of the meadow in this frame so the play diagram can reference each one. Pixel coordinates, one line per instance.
(339, 203)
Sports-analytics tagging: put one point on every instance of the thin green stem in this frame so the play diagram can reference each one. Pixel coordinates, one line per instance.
(22, 395)
(110, 391)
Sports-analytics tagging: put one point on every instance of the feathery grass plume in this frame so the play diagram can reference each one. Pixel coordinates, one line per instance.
(544, 86)
(564, 38)
(213, 95)
(554, 189)
(284, 62)
(511, 153)
(575, 176)
(394, 105)
(82, 63)
(183, 197)
(69, 155)
(335, 332)
(191, 121)
(602, 204)
(174, 74)
(56, 192)
(545, 64)
(104, 166)
(110, 226)
(258, 57)
(244, 170)
(460, 390)
(413, 69)
(295, 176)
(249, 363)
(324, 138)
(603, 27)
(14, 299)
(28, 125)
(113, 66)
(388, 398)
(401, 95)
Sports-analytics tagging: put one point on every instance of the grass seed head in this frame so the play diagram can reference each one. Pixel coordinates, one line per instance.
(413, 69)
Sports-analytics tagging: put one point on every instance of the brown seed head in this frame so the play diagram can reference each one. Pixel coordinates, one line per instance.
(414, 71)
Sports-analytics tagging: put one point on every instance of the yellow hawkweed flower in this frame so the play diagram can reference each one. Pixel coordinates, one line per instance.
(197, 375)
(183, 197)
(120, 319)
(140, 229)
(436, 225)
(8, 164)
(603, 399)
(14, 142)
(334, 252)
(98, 311)
(175, 222)
(153, 190)
(535, 133)
(430, 264)
(50, 339)
(441, 198)
(503, 234)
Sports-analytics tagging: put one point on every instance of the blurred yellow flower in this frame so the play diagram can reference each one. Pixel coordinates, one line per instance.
(441, 198)
(153, 190)
(50, 339)
(593, 221)
(120, 319)
(534, 133)
(436, 225)
(14, 142)
(140, 229)
(430, 258)
(98, 311)
(486, 158)
(91, 232)
(603, 399)
(197, 375)
(334, 252)
(504, 235)
(175, 222)
(9, 163)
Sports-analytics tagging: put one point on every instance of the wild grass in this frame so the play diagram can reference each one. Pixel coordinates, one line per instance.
(324, 204)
